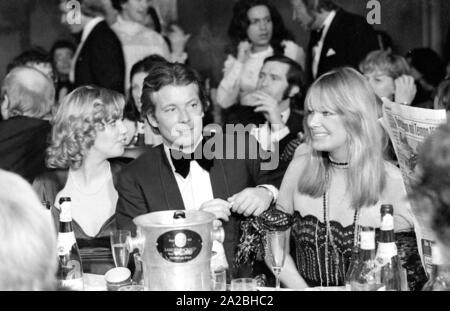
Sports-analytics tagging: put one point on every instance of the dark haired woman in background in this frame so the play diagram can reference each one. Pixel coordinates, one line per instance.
(256, 31)
(132, 111)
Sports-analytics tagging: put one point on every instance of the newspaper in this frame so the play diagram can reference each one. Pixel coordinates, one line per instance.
(408, 127)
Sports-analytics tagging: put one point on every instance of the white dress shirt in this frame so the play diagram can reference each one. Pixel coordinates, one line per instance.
(86, 31)
(196, 188)
(317, 49)
(267, 137)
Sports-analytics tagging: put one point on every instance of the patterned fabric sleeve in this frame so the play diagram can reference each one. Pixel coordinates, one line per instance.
(409, 256)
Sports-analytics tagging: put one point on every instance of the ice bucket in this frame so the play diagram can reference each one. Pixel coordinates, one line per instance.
(175, 248)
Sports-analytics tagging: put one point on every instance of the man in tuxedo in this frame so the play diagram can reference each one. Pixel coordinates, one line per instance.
(99, 58)
(277, 103)
(338, 38)
(179, 174)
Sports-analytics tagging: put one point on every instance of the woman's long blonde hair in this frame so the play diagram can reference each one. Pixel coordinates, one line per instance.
(346, 92)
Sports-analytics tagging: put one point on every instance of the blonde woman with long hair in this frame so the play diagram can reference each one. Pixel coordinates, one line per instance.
(338, 181)
(87, 138)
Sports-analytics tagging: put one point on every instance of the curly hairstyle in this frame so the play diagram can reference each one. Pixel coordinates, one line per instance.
(237, 30)
(431, 193)
(82, 113)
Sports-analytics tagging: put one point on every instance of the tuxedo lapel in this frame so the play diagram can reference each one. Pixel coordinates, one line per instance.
(218, 180)
(169, 188)
(331, 40)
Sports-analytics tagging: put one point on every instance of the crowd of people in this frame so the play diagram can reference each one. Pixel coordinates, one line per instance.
(71, 118)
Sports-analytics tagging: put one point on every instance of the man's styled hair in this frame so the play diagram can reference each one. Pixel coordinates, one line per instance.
(319, 5)
(343, 91)
(61, 44)
(117, 4)
(35, 55)
(30, 93)
(385, 61)
(82, 113)
(295, 76)
(28, 246)
(239, 24)
(164, 74)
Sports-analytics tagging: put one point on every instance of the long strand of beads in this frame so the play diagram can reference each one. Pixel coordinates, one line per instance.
(317, 251)
(334, 255)
(326, 236)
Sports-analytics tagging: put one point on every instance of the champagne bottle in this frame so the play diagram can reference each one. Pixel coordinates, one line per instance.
(440, 273)
(366, 277)
(70, 268)
(387, 258)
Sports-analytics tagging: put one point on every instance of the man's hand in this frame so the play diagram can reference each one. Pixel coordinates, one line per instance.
(268, 106)
(220, 208)
(251, 201)
(405, 90)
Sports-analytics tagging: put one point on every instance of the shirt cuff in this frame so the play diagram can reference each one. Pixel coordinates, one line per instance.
(279, 134)
(272, 189)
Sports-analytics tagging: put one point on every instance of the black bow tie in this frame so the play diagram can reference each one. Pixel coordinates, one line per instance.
(182, 161)
(315, 36)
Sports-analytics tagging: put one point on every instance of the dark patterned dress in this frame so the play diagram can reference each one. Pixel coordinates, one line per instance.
(308, 245)
(308, 250)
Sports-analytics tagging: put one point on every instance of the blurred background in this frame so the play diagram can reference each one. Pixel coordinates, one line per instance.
(410, 23)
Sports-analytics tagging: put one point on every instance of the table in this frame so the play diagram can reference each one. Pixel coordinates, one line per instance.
(96, 282)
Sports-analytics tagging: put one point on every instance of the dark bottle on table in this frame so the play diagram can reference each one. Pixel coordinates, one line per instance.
(366, 277)
(70, 268)
(387, 257)
(440, 273)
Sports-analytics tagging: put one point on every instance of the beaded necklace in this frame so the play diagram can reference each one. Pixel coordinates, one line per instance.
(329, 239)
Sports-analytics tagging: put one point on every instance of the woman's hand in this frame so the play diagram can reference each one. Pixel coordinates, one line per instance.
(405, 90)
(244, 48)
(178, 39)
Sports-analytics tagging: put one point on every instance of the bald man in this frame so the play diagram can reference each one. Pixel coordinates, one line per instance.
(27, 97)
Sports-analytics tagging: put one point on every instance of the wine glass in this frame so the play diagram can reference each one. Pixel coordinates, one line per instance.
(276, 250)
(119, 247)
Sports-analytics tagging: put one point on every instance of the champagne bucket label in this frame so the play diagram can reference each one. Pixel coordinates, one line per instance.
(179, 245)
(176, 249)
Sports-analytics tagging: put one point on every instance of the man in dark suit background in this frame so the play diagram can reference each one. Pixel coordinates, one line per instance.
(276, 107)
(99, 57)
(231, 188)
(338, 38)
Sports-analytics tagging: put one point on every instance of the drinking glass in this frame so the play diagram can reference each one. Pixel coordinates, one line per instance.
(243, 285)
(119, 247)
(276, 251)
(219, 280)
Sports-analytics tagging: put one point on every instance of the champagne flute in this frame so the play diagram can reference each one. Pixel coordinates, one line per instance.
(276, 250)
(119, 247)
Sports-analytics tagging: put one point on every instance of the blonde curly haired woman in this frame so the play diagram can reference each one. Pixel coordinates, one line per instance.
(87, 132)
